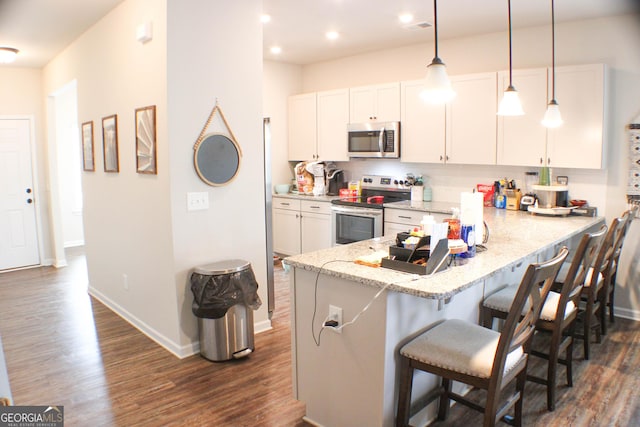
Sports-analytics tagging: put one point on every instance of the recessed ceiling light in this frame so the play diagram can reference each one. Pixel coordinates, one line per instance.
(405, 18)
(8, 55)
(265, 18)
(276, 50)
(332, 35)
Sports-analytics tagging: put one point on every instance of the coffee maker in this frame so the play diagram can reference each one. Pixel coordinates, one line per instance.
(336, 182)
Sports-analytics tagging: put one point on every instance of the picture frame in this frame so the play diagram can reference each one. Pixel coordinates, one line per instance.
(146, 149)
(88, 155)
(110, 143)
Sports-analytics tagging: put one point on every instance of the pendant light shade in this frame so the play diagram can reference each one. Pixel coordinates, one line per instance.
(7, 55)
(438, 88)
(552, 117)
(510, 104)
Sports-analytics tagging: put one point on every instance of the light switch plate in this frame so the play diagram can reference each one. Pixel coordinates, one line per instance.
(197, 201)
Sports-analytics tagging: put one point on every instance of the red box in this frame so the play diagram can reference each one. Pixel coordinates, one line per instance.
(349, 195)
(487, 191)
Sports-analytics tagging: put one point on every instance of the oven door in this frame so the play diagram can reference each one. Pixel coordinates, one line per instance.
(353, 224)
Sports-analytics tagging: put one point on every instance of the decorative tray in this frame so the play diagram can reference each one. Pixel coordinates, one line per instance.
(557, 211)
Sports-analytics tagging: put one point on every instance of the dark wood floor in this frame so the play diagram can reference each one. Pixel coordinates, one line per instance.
(65, 348)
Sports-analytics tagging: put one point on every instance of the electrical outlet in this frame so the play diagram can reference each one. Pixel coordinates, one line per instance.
(197, 201)
(125, 282)
(335, 313)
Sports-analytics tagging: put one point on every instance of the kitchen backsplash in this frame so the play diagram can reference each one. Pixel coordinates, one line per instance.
(448, 181)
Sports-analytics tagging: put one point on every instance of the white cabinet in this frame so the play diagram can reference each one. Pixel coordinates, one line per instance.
(332, 121)
(318, 126)
(302, 127)
(402, 220)
(300, 226)
(423, 125)
(471, 120)
(580, 141)
(286, 226)
(379, 103)
(522, 140)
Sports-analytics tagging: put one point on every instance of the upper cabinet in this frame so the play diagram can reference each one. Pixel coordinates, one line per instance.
(302, 127)
(422, 127)
(580, 141)
(318, 126)
(522, 139)
(379, 103)
(333, 118)
(471, 120)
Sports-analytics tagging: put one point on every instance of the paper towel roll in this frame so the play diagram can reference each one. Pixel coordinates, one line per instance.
(471, 212)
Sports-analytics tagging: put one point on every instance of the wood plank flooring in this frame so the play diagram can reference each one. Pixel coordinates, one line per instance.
(63, 347)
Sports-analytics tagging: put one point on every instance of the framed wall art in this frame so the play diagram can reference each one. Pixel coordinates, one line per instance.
(88, 159)
(110, 143)
(146, 140)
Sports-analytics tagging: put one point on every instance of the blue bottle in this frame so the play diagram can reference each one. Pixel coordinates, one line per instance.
(468, 235)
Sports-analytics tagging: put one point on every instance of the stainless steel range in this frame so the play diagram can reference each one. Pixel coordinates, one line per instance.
(362, 218)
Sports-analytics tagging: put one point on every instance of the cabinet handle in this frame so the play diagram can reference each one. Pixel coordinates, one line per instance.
(298, 215)
(284, 204)
(441, 158)
(447, 157)
(314, 207)
(404, 217)
(541, 160)
(549, 161)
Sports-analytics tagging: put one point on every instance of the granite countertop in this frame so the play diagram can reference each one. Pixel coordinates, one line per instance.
(438, 207)
(514, 237)
(306, 197)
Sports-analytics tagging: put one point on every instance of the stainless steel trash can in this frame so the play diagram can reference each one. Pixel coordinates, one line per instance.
(230, 336)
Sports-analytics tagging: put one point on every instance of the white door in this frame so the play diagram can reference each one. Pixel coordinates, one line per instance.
(18, 235)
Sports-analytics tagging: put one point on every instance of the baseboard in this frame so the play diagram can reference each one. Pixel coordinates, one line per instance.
(177, 350)
(627, 313)
(73, 243)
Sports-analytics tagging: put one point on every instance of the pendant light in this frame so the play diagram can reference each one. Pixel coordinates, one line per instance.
(552, 117)
(510, 104)
(437, 84)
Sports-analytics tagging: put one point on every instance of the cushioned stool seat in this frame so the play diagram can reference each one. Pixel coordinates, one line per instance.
(471, 352)
(502, 300)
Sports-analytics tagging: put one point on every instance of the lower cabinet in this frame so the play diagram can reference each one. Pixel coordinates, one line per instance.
(300, 226)
(401, 220)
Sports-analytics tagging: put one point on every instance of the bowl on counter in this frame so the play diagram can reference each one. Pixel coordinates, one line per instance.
(577, 202)
(282, 188)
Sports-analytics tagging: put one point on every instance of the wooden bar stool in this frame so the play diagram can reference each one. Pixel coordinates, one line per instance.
(558, 315)
(613, 270)
(461, 351)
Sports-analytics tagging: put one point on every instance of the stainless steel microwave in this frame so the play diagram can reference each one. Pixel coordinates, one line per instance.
(381, 140)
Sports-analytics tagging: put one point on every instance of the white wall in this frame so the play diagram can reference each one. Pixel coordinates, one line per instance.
(127, 216)
(614, 41)
(215, 53)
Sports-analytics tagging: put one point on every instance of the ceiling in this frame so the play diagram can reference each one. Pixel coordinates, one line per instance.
(42, 28)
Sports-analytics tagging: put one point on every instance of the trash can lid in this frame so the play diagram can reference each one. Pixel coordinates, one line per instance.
(223, 267)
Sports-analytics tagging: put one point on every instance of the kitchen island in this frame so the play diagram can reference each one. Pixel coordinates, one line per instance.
(349, 378)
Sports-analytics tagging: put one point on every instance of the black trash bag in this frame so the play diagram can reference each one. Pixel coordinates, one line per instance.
(214, 295)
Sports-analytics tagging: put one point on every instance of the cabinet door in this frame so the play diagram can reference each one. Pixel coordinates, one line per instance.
(333, 118)
(522, 139)
(579, 142)
(302, 127)
(379, 103)
(286, 232)
(316, 231)
(422, 130)
(471, 120)
(388, 102)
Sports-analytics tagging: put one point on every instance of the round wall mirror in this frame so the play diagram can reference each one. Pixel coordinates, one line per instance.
(217, 159)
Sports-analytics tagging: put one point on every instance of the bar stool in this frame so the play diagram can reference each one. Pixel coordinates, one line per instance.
(462, 351)
(558, 315)
(613, 271)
